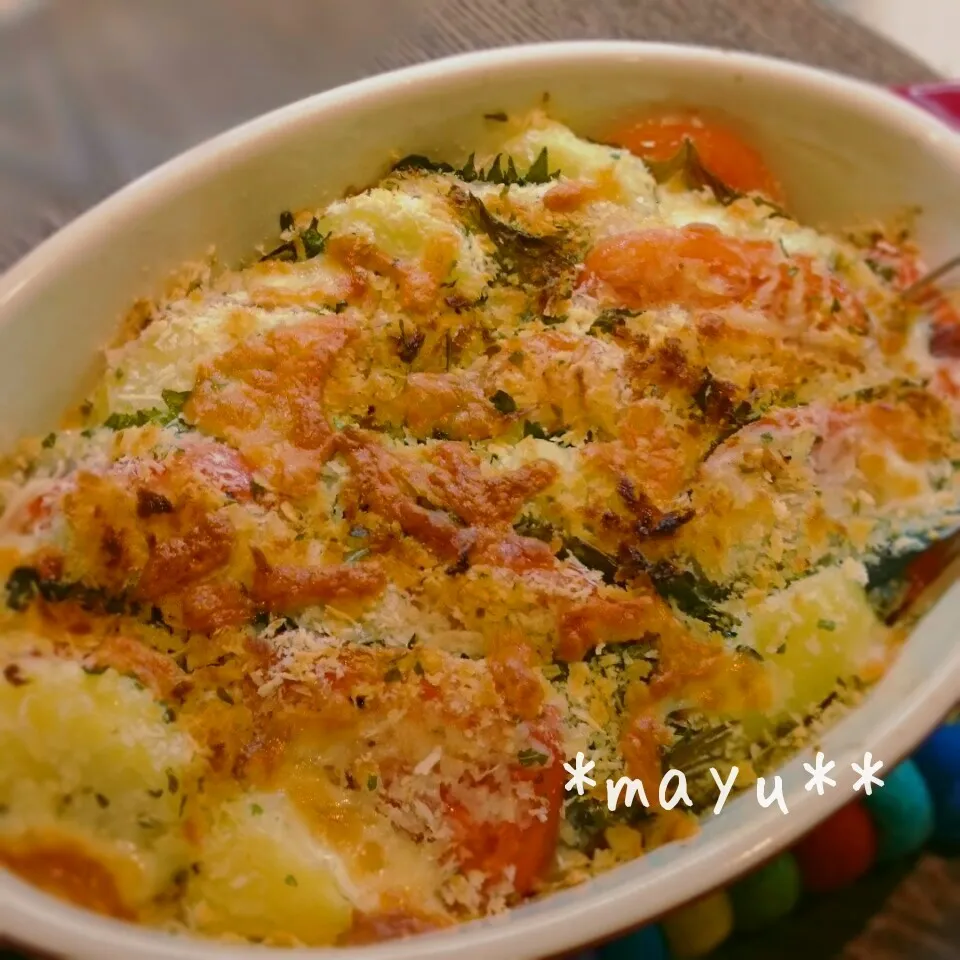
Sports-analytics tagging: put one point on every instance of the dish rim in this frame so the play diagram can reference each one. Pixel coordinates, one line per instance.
(601, 908)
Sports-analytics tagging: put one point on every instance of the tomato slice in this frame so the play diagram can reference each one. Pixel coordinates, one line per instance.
(523, 846)
(697, 265)
(700, 267)
(722, 151)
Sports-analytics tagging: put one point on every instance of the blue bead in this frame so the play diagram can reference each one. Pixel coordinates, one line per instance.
(902, 810)
(938, 760)
(644, 944)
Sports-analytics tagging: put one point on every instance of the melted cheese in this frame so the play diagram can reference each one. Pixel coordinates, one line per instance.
(355, 544)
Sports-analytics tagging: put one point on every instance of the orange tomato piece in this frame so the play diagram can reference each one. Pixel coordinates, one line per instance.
(69, 871)
(700, 267)
(524, 845)
(722, 151)
(696, 265)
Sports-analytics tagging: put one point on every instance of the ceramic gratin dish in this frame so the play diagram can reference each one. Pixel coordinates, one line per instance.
(846, 152)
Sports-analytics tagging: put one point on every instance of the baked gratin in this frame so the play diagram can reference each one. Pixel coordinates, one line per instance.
(563, 447)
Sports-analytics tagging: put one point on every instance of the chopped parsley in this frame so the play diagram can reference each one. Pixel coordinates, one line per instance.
(503, 402)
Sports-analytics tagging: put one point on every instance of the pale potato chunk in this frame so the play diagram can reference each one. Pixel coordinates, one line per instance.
(91, 756)
(412, 228)
(820, 629)
(167, 354)
(264, 875)
(579, 159)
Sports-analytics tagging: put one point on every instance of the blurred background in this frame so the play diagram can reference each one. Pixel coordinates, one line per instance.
(94, 93)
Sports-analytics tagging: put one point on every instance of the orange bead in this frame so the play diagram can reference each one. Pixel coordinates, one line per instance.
(839, 851)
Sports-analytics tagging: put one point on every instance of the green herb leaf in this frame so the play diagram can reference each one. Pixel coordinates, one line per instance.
(495, 173)
(48, 441)
(468, 173)
(416, 161)
(124, 421)
(290, 880)
(313, 241)
(882, 270)
(829, 625)
(533, 429)
(175, 400)
(590, 557)
(22, 587)
(393, 675)
(256, 810)
(611, 320)
(225, 696)
(534, 528)
(686, 163)
(693, 594)
(371, 782)
(504, 403)
(537, 260)
(539, 171)
(532, 758)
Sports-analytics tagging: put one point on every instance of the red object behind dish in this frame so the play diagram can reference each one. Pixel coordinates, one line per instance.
(838, 851)
(940, 99)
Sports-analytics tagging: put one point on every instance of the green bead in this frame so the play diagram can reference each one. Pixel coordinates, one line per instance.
(766, 895)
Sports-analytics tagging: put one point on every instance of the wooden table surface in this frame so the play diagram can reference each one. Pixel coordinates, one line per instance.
(95, 92)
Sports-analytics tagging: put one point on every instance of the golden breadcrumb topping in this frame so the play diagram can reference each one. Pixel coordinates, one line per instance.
(570, 447)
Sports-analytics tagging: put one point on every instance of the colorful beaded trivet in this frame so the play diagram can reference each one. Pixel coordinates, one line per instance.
(919, 804)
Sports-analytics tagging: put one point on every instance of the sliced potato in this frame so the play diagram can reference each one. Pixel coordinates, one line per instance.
(263, 875)
(818, 630)
(92, 757)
